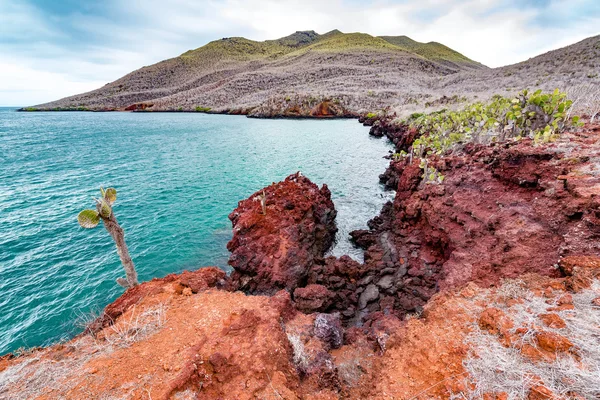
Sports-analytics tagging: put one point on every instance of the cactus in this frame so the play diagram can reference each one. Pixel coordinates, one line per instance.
(91, 218)
(263, 202)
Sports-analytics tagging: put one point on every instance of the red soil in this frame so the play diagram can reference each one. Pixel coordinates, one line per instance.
(332, 327)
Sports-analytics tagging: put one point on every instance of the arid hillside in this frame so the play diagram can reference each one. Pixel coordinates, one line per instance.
(334, 74)
(356, 70)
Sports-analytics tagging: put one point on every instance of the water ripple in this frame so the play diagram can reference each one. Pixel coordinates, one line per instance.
(178, 176)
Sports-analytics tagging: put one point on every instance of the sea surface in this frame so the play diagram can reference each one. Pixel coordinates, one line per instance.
(178, 176)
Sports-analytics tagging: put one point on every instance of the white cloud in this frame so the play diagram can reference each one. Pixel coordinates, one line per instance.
(19, 85)
(45, 65)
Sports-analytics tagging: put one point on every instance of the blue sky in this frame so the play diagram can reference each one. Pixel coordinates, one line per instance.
(52, 48)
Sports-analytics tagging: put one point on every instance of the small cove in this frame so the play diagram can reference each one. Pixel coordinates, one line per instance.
(178, 177)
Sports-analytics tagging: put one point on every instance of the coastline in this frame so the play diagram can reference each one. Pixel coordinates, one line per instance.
(441, 264)
(225, 112)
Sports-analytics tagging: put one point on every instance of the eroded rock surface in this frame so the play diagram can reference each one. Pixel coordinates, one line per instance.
(276, 250)
(502, 211)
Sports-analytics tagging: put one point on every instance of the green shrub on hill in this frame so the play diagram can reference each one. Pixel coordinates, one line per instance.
(538, 116)
(203, 109)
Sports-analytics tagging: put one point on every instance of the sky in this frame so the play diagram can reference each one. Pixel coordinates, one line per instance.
(50, 49)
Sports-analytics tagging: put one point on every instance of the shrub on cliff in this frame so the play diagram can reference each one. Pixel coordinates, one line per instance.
(90, 219)
(539, 116)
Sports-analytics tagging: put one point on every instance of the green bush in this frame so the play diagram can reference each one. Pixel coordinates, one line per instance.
(539, 116)
(202, 109)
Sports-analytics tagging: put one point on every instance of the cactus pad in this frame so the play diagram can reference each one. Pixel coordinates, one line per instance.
(88, 219)
(104, 209)
(110, 195)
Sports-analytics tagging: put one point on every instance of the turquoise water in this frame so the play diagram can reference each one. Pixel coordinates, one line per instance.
(178, 176)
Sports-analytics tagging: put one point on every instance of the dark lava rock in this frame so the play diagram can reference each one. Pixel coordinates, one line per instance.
(312, 298)
(370, 294)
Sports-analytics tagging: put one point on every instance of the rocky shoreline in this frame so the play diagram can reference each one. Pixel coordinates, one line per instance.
(291, 323)
(299, 109)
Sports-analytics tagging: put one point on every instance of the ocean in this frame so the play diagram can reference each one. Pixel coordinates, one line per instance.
(178, 176)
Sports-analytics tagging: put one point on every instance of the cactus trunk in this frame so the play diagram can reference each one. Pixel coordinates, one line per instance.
(115, 230)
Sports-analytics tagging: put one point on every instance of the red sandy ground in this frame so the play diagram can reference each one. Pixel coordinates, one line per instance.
(191, 336)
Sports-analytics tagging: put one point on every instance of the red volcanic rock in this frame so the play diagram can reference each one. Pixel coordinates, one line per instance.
(553, 342)
(324, 109)
(553, 321)
(312, 298)
(201, 279)
(540, 392)
(139, 106)
(502, 211)
(495, 321)
(581, 271)
(276, 250)
(569, 265)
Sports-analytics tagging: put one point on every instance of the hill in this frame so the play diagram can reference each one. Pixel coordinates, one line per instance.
(360, 71)
(433, 51)
(332, 74)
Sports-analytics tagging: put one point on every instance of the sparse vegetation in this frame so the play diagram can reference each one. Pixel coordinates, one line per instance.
(91, 218)
(587, 100)
(300, 356)
(262, 198)
(203, 109)
(540, 116)
(137, 327)
(495, 368)
(361, 71)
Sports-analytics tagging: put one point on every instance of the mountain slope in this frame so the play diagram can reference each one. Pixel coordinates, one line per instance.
(240, 74)
(334, 74)
(433, 51)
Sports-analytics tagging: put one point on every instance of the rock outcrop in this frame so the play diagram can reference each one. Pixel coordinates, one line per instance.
(301, 107)
(502, 211)
(175, 343)
(277, 249)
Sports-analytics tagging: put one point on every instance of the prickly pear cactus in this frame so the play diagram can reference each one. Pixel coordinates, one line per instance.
(104, 208)
(104, 212)
(110, 195)
(88, 219)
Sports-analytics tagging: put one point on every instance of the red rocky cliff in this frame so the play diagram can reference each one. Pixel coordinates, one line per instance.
(502, 211)
(276, 250)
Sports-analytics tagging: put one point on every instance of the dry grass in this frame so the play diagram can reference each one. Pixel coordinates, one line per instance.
(364, 73)
(39, 374)
(301, 358)
(237, 73)
(586, 99)
(494, 368)
(139, 326)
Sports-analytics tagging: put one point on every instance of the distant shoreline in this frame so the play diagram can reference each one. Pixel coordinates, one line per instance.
(227, 112)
